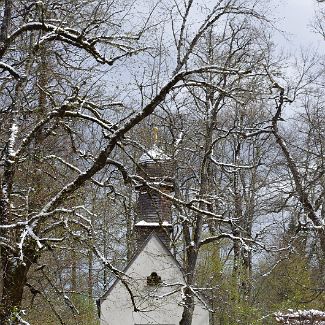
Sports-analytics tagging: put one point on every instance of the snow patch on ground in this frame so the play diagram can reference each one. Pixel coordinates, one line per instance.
(301, 317)
(153, 224)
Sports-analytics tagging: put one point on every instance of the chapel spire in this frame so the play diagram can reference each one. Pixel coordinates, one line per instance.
(155, 210)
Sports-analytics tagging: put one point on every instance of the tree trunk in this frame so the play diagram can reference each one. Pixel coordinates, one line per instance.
(188, 308)
(73, 271)
(191, 254)
(129, 227)
(14, 281)
(90, 274)
(5, 26)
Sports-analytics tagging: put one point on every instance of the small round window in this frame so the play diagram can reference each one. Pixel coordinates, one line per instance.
(153, 279)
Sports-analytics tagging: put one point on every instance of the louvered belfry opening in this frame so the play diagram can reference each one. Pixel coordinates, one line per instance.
(154, 211)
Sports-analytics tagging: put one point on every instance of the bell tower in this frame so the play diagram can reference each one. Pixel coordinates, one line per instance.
(153, 266)
(155, 210)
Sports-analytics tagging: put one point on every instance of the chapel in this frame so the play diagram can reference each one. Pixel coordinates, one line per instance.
(150, 291)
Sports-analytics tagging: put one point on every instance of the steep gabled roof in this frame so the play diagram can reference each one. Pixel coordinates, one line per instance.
(138, 252)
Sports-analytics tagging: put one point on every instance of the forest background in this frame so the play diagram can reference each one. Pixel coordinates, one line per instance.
(83, 83)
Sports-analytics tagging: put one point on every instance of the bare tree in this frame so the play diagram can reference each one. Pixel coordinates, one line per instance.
(211, 116)
(44, 137)
(310, 205)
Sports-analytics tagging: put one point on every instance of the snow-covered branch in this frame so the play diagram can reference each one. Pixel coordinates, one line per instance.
(11, 70)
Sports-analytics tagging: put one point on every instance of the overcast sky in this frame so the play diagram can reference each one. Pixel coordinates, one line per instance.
(296, 17)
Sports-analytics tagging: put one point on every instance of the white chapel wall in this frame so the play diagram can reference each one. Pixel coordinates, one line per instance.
(157, 304)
